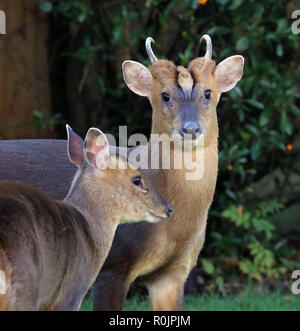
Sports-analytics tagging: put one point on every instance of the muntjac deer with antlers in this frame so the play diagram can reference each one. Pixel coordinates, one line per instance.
(184, 102)
(50, 251)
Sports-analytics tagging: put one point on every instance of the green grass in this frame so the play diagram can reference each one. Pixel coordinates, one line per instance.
(245, 301)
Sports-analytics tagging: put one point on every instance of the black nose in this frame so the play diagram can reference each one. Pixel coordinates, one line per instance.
(169, 210)
(192, 129)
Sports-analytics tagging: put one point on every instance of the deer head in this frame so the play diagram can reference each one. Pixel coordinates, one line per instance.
(184, 100)
(108, 185)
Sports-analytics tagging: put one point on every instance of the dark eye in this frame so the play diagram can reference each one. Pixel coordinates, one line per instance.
(207, 94)
(137, 181)
(165, 96)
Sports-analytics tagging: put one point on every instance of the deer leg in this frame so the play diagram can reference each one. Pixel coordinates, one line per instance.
(166, 292)
(110, 291)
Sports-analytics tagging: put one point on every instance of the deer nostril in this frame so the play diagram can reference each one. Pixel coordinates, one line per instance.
(169, 210)
(183, 131)
(190, 128)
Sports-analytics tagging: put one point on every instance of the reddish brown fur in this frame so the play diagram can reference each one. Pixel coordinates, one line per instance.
(164, 72)
(169, 251)
(163, 256)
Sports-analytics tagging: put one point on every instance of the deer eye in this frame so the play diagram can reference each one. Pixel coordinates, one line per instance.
(207, 94)
(165, 96)
(137, 181)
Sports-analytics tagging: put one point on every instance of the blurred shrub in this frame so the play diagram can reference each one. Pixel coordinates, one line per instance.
(42, 120)
(259, 119)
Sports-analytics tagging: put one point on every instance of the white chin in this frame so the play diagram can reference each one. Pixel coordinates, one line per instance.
(152, 219)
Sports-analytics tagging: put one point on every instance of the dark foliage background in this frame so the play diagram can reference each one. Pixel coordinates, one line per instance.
(259, 120)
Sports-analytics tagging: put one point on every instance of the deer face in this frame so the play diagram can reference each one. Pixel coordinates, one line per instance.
(114, 185)
(184, 100)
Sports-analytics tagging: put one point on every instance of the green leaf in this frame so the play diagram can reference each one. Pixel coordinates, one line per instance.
(81, 17)
(270, 36)
(223, 2)
(235, 4)
(279, 50)
(283, 122)
(220, 281)
(245, 135)
(265, 116)
(265, 83)
(46, 6)
(281, 24)
(255, 151)
(289, 128)
(220, 30)
(262, 225)
(249, 268)
(252, 129)
(294, 109)
(255, 104)
(242, 44)
(208, 267)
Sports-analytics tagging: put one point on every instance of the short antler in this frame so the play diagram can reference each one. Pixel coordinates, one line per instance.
(207, 39)
(149, 50)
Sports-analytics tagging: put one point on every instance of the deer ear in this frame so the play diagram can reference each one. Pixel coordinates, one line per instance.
(229, 72)
(96, 149)
(137, 77)
(75, 146)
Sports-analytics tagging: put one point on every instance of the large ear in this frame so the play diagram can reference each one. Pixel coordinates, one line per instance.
(96, 148)
(229, 72)
(137, 77)
(75, 146)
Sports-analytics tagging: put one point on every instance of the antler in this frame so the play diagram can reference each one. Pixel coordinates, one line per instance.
(207, 39)
(150, 53)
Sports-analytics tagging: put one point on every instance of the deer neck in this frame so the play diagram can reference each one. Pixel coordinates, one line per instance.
(173, 183)
(94, 209)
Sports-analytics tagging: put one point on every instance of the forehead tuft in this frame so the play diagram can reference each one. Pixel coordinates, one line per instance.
(184, 79)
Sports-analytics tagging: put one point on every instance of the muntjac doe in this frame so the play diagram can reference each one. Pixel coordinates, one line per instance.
(50, 251)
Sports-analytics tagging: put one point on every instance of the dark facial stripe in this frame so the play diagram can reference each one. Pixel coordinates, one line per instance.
(189, 111)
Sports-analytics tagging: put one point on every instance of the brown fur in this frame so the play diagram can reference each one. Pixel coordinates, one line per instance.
(50, 251)
(164, 71)
(159, 254)
(30, 225)
(166, 253)
(162, 255)
(201, 68)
